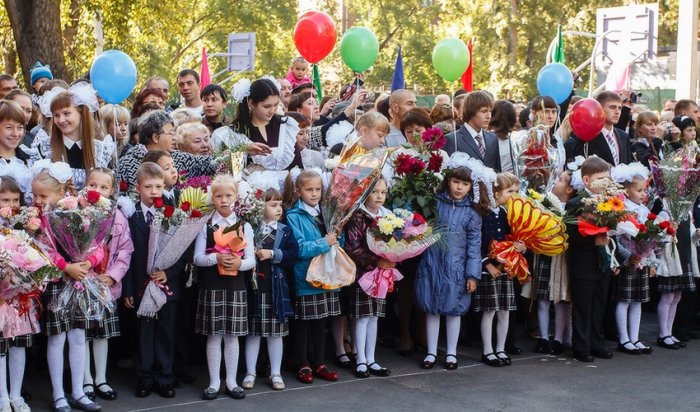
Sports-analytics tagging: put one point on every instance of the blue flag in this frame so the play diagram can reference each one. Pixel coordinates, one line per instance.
(398, 82)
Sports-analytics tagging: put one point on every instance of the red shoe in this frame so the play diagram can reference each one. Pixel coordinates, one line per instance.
(305, 375)
(322, 372)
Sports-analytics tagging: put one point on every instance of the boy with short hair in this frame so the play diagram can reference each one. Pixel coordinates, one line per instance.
(589, 284)
(214, 101)
(171, 194)
(156, 335)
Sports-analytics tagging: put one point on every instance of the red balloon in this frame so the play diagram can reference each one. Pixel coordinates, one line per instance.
(315, 35)
(587, 119)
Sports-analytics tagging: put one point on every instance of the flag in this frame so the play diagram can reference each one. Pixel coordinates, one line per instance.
(398, 82)
(619, 76)
(204, 77)
(559, 50)
(468, 76)
(316, 79)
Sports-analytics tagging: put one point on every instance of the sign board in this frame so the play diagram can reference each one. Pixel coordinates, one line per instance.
(637, 37)
(241, 52)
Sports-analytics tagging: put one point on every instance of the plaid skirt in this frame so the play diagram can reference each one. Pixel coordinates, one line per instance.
(494, 294)
(22, 341)
(317, 306)
(222, 312)
(52, 323)
(362, 305)
(671, 284)
(543, 273)
(106, 328)
(264, 323)
(633, 286)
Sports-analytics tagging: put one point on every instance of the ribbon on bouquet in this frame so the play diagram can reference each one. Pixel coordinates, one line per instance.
(25, 300)
(514, 263)
(378, 282)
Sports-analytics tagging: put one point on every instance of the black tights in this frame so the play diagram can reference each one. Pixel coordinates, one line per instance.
(310, 337)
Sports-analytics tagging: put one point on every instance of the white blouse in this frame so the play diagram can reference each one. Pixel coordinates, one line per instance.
(204, 259)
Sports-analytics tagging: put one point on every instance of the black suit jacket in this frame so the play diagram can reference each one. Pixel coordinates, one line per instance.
(584, 256)
(136, 277)
(462, 141)
(599, 147)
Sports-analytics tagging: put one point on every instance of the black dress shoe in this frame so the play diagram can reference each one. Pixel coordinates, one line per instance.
(492, 360)
(361, 374)
(622, 348)
(543, 347)
(661, 342)
(503, 357)
(166, 391)
(210, 394)
(514, 350)
(108, 395)
(557, 347)
(89, 391)
(584, 357)
(381, 372)
(449, 364)
(236, 393)
(143, 390)
(645, 349)
(602, 353)
(426, 364)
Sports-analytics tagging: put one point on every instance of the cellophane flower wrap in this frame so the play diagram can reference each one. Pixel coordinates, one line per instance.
(537, 160)
(23, 270)
(653, 233)
(418, 172)
(677, 181)
(27, 218)
(395, 237)
(605, 213)
(539, 229)
(80, 226)
(350, 184)
(172, 231)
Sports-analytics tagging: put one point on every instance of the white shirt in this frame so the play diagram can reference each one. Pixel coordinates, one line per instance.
(613, 150)
(69, 143)
(313, 211)
(506, 151)
(170, 194)
(204, 259)
(381, 213)
(145, 209)
(474, 132)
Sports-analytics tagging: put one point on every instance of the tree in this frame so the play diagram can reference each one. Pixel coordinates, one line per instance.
(36, 25)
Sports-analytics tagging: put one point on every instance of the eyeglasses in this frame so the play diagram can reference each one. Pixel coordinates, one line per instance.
(170, 133)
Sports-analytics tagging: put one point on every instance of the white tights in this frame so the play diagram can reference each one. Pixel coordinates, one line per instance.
(274, 350)
(214, 360)
(560, 314)
(366, 340)
(432, 329)
(487, 330)
(76, 360)
(99, 352)
(666, 312)
(628, 316)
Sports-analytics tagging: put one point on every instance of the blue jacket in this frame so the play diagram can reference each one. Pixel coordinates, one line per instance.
(311, 244)
(441, 280)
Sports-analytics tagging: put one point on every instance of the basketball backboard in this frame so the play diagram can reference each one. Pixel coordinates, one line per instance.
(637, 37)
(241, 52)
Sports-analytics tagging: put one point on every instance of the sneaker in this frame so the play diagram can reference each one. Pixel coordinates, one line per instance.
(248, 382)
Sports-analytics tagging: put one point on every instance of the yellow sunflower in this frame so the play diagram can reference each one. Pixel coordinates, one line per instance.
(604, 207)
(616, 204)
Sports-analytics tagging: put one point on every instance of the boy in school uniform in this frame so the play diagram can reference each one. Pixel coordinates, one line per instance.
(589, 284)
(156, 343)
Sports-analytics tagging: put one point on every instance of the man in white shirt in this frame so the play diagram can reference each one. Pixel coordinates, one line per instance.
(188, 85)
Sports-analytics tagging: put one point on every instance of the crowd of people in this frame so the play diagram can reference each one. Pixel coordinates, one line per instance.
(57, 139)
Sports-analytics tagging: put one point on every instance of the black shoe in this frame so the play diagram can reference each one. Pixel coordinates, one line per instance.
(622, 348)
(450, 365)
(584, 357)
(679, 342)
(166, 391)
(543, 347)
(602, 353)
(361, 374)
(210, 394)
(143, 390)
(661, 342)
(86, 407)
(645, 349)
(514, 350)
(557, 347)
(381, 372)
(504, 358)
(345, 364)
(492, 360)
(428, 364)
(108, 395)
(236, 393)
(89, 391)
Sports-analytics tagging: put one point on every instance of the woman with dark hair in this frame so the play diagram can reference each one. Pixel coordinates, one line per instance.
(145, 97)
(502, 123)
(414, 123)
(306, 104)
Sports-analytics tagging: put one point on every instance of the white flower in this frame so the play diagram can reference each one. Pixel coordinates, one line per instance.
(241, 90)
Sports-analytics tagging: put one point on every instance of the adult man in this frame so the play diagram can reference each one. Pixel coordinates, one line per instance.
(7, 83)
(188, 85)
(285, 93)
(157, 83)
(442, 99)
(612, 144)
(669, 105)
(688, 108)
(214, 100)
(473, 138)
(400, 102)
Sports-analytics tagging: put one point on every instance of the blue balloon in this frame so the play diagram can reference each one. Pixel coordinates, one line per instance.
(113, 76)
(556, 81)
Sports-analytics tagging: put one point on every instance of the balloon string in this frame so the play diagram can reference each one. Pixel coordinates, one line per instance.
(115, 138)
(454, 114)
(585, 150)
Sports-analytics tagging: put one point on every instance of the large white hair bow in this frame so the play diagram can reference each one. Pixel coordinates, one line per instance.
(58, 170)
(82, 95)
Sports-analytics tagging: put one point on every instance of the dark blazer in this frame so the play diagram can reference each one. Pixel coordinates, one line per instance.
(642, 152)
(599, 147)
(584, 255)
(136, 277)
(462, 141)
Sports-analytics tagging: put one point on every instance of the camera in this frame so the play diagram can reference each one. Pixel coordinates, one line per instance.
(636, 97)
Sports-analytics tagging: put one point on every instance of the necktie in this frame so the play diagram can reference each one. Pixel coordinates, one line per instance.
(610, 137)
(149, 218)
(480, 144)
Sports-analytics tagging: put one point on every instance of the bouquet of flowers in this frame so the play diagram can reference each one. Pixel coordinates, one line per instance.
(171, 233)
(540, 230)
(350, 184)
(81, 226)
(395, 237)
(250, 205)
(231, 160)
(197, 182)
(605, 213)
(21, 218)
(547, 200)
(417, 173)
(647, 241)
(677, 181)
(537, 159)
(23, 270)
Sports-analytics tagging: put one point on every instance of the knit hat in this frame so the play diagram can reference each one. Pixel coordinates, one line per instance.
(683, 122)
(40, 71)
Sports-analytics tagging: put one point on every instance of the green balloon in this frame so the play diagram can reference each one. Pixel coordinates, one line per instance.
(450, 58)
(359, 48)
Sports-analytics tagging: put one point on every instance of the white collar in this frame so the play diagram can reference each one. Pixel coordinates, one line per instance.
(382, 212)
(228, 221)
(145, 209)
(169, 193)
(69, 143)
(474, 132)
(313, 211)
(272, 225)
(606, 132)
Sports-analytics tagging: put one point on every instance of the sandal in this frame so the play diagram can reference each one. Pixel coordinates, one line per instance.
(380, 371)
(428, 364)
(361, 374)
(248, 381)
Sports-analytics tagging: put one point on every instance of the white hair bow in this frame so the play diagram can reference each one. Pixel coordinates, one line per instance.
(274, 81)
(58, 170)
(241, 90)
(626, 173)
(82, 95)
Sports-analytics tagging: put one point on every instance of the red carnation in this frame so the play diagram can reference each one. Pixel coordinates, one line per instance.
(158, 202)
(435, 162)
(185, 206)
(651, 216)
(418, 219)
(417, 166)
(642, 229)
(93, 196)
(168, 211)
(402, 164)
(665, 225)
(196, 213)
(123, 186)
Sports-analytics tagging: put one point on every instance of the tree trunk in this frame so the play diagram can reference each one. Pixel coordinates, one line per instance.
(513, 36)
(9, 55)
(36, 25)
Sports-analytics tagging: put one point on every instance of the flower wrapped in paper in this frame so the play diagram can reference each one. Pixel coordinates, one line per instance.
(652, 234)
(539, 229)
(350, 184)
(229, 241)
(537, 160)
(677, 181)
(395, 237)
(80, 226)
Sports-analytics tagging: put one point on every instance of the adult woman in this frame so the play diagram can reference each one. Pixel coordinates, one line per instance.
(646, 144)
(193, 138)
(306, 104)
(147, 96)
